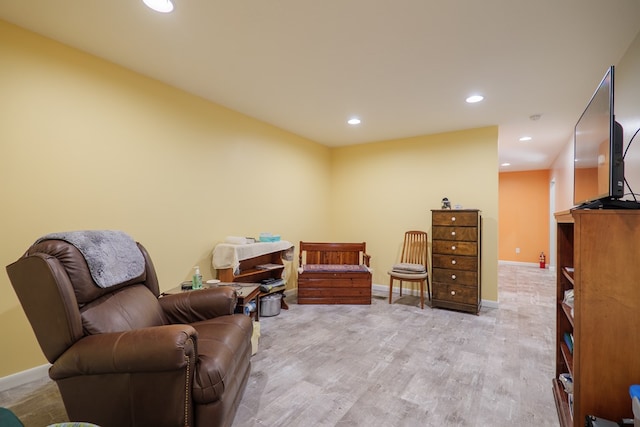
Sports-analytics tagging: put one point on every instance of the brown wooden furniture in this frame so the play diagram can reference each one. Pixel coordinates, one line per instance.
(334, 273)
(598, 257)
(414, 265)
(456, 258)
(268, 264)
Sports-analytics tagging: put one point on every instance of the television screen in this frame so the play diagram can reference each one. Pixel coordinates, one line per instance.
(598, 165)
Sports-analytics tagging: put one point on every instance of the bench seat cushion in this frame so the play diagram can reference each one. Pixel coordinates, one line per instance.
(334, 268)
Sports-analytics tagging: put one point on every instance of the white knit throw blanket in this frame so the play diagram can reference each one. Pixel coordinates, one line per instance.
(113, 256)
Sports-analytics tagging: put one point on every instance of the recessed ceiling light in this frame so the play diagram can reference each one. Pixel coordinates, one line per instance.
(474, 98)
(505, 164)
(354, 121)
(525, 138)
(164, 6)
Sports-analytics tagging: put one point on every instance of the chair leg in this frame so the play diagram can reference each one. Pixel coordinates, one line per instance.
(422, 294)
(390, 288)
(428, 289)
(400, 287)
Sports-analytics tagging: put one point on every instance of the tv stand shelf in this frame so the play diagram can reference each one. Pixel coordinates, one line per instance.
(598, 258)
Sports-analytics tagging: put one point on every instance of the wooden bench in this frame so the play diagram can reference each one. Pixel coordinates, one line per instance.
(334, 273)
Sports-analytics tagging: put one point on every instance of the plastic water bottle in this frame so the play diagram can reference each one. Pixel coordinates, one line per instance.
(250, 307)
(197, 279)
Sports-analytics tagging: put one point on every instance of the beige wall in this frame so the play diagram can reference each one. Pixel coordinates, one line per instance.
(86, 144)
(381, 190)
(627, 110)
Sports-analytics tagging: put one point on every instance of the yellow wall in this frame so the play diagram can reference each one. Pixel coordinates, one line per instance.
(380, 190)
(524, 215)
(86, 144)
(89, 145)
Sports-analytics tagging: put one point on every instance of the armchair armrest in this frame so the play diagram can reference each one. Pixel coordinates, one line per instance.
(194, 306)
(366, 258)
(153, 349)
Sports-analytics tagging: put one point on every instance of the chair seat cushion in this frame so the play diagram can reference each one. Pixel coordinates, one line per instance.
(406, 267)
(224, 349)
(408, 276)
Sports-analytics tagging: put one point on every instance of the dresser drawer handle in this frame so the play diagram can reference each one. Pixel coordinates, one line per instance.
(453, 276)
(453, 248)
(453, 233)
(453, 292)
(453, 261)
(453, 218)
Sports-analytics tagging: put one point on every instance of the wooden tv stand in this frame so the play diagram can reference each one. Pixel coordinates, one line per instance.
(599, 258)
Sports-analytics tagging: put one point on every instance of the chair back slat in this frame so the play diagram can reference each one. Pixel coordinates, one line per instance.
(414, 249)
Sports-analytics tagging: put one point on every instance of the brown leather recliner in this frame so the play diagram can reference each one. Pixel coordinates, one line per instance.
(126, 356)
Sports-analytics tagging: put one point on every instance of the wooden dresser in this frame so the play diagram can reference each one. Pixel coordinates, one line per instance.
(455, 259)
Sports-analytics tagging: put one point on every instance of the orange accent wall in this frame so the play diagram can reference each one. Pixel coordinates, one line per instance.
(524, 215)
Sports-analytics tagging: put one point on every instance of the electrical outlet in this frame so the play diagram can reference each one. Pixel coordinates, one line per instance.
(517, 250)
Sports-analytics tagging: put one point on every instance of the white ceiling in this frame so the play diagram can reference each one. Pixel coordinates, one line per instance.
(403, 66)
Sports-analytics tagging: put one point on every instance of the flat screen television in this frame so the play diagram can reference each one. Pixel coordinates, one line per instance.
(598, 152)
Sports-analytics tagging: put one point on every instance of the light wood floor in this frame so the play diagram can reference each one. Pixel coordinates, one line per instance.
(389, 365)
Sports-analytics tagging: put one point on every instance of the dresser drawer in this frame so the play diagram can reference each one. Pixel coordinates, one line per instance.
(457, 218)
(455, 293)
(454, 248)
(455, 262)
(469, 234)
(461, 277)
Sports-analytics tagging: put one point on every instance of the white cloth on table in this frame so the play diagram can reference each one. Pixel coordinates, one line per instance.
(228, 255)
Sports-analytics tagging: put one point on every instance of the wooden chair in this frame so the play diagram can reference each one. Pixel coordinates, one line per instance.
(414, 264)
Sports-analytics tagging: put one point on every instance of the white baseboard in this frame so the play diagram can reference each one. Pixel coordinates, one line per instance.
(24, 377)
(487, 303)
(526, 264)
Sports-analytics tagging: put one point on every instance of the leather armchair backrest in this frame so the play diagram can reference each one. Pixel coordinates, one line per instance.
(63, 303)
(72, 261)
